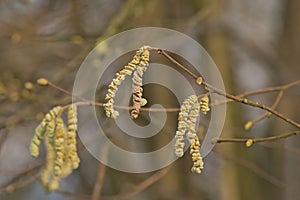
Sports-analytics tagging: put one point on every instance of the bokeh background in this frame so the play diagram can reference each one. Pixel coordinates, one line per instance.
(254, 43)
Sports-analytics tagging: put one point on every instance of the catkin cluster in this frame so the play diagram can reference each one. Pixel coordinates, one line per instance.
(137, 66)
(187, 120)
(60, 145)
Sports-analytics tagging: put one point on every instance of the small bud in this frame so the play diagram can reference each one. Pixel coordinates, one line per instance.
(214, 140)
(248, 125)
(249, 143)
(42, 81)
(28, 85)
(10, 189)
(143, 102)
(199, 80)
(245, 101)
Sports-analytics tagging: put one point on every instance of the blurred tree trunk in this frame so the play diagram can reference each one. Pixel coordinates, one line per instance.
(290, 51)
(217, 46)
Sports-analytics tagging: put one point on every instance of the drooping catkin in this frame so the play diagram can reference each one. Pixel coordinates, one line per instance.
(192, 120)
(60, 145)
(187, 118)
(204, 105)
(48, 170)
(71, 137)
(119, 77)
(54, 183)
(36, 140)
(196, 157)
(41, 130)
(137, 82)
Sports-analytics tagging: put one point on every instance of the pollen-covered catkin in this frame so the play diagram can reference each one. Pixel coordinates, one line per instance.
(41, 130)
(59, 146)
(204, 105)
(137, 82)
(71, 137)
(48, 170)
(196, 157)
(120, 76)
(54, 183)
(186, 122)
(36, 140)
(192, 119)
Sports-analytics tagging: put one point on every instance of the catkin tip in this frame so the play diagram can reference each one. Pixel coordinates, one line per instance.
(196, 156)
(204, 105)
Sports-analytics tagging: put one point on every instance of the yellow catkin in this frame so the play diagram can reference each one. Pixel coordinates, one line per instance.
(196, 156)
(36, 140)
(119, 77)
(53, 184)
(187, 118)
(137, 82)
(47, 130)
(204, 105)
(42, 128)
(59, 146)
(71, 137)
(192, 118)
(48, 170)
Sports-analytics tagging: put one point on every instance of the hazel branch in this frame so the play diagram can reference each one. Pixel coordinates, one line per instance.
(256, 140)
(249, 124)
(229, 96)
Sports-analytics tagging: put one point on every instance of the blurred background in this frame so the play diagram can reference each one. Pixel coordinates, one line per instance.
(255, 45)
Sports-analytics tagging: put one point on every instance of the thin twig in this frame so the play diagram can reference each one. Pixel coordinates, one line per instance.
(256, 140)
(260, 91)
(141, 186)
(229, 96)
(100, 175)
(99, 182)
(268, 114)
(66, 91)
